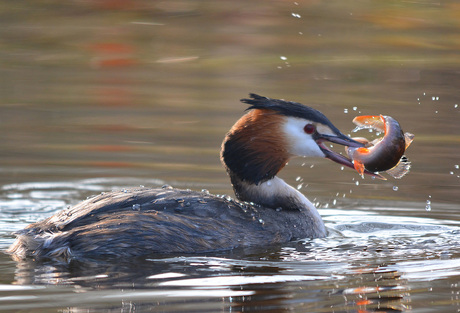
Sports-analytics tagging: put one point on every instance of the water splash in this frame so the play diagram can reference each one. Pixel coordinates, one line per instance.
(428, 205)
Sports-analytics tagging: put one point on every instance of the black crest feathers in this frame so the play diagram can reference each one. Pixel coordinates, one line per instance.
(287, 108)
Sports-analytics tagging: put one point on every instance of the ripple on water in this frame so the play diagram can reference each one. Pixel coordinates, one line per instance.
(347, 263)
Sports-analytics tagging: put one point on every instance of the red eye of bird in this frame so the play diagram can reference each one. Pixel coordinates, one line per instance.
(309, 128)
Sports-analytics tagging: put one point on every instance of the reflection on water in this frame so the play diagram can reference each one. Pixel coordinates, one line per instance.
(239, 284)
(101, 95)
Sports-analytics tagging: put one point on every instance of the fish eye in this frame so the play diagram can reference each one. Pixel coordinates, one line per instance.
(309, 129)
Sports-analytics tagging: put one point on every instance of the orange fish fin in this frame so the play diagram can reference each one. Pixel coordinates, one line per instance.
(409, 138)
(359, 167)
(363, 150)
(401, 169)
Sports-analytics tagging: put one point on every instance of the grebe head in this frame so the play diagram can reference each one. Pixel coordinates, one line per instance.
(261, 142)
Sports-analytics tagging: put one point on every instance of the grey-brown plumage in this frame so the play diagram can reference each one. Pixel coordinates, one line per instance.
(143, 221)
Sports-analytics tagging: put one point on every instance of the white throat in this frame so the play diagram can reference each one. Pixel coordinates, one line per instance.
(276, 193)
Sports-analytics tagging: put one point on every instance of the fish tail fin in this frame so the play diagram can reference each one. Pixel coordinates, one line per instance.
(401, 169)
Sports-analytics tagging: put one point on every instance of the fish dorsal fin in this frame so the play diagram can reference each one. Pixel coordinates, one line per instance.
(376, 122)
(401, 169)
(409, 138)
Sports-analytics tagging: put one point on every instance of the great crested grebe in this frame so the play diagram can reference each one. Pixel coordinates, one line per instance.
(144, 221)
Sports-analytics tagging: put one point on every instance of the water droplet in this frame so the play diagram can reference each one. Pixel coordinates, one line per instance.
(334, 202)
(312, 166)
(451, 173)
(136, 207)
(355, 108)
(357, 183)
(261, 221)
(283, 58)
(299, 186)
(456, 166)
(206, 191)
(345, 111)
(433, 98)
(279, 209)
(296, 15)
(298, 178)
(455, 105)
(428, 205)
(142, 186)
(395, 188)
(342, 168)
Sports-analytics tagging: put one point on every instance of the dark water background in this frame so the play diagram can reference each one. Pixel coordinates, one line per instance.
(102, 95)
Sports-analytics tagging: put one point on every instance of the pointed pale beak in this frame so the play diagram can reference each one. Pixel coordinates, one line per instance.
(343, 140)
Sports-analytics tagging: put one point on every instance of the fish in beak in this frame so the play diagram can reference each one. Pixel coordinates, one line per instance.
(343, 140)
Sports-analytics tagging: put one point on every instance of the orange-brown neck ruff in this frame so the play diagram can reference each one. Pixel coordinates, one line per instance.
(255, 148)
